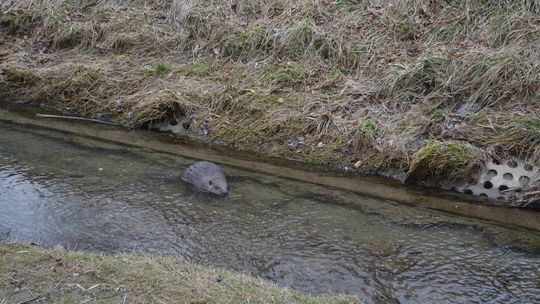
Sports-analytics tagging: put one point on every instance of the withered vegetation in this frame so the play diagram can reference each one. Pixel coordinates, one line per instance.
(353, 81)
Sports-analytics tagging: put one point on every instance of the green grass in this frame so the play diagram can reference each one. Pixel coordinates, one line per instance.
(161, 68)
(369, 128)
(157, 69)
(199, 69)
(446, 161)
(285, 75)
(438, 115)
(29, 273)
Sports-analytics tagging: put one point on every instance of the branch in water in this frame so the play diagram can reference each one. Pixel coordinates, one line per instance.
(75, 118)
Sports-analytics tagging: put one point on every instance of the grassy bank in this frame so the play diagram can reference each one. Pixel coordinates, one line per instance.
(371, 85)
(32, 274)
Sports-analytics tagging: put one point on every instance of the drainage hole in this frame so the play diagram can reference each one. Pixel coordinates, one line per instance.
(491, 173)
(524, 180)
(508, 176)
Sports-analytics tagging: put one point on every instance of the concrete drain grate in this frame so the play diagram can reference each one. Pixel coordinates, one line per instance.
(502, 181)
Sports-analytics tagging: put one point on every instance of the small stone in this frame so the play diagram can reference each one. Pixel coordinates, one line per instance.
(100, 169)
(260, 138)
(320, 145)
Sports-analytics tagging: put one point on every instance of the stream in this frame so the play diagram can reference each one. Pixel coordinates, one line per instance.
(59, 188)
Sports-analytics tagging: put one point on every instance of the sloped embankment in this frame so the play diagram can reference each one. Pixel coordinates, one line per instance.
(31, 274)
(342, 83)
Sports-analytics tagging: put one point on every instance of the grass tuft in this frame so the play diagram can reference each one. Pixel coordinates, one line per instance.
(250, 43)
(20, 77)
(17, 22)
(285, 75)
(369, 128)
(296, 39)
(522, 137)
(438, 115)
(158, 69)
(199, 69)
(454, 161)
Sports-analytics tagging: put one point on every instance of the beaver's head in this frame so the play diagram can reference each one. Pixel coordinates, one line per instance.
(215, 184)
(207, 177)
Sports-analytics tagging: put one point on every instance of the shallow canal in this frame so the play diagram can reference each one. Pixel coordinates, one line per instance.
(85, 194)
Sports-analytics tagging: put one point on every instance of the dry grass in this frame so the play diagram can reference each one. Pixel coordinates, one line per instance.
(31, 274)
(522, 137)
(350, 79)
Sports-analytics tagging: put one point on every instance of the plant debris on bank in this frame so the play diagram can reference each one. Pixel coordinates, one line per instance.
(369, 83)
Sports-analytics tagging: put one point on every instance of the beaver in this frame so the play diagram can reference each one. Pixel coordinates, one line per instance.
(207, 177)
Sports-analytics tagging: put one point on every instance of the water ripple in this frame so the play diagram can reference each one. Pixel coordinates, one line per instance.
(383, 252)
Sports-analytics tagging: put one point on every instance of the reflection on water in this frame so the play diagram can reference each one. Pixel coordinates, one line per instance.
(83, 194)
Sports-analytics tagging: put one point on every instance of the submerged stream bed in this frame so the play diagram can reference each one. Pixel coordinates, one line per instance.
(86, 194)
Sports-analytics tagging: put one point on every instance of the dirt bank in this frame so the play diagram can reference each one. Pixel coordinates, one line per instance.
(427, 88)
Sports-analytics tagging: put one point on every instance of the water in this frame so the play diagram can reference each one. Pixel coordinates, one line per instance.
(58, 188)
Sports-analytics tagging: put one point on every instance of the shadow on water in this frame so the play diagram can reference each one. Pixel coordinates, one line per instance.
(59, 188)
